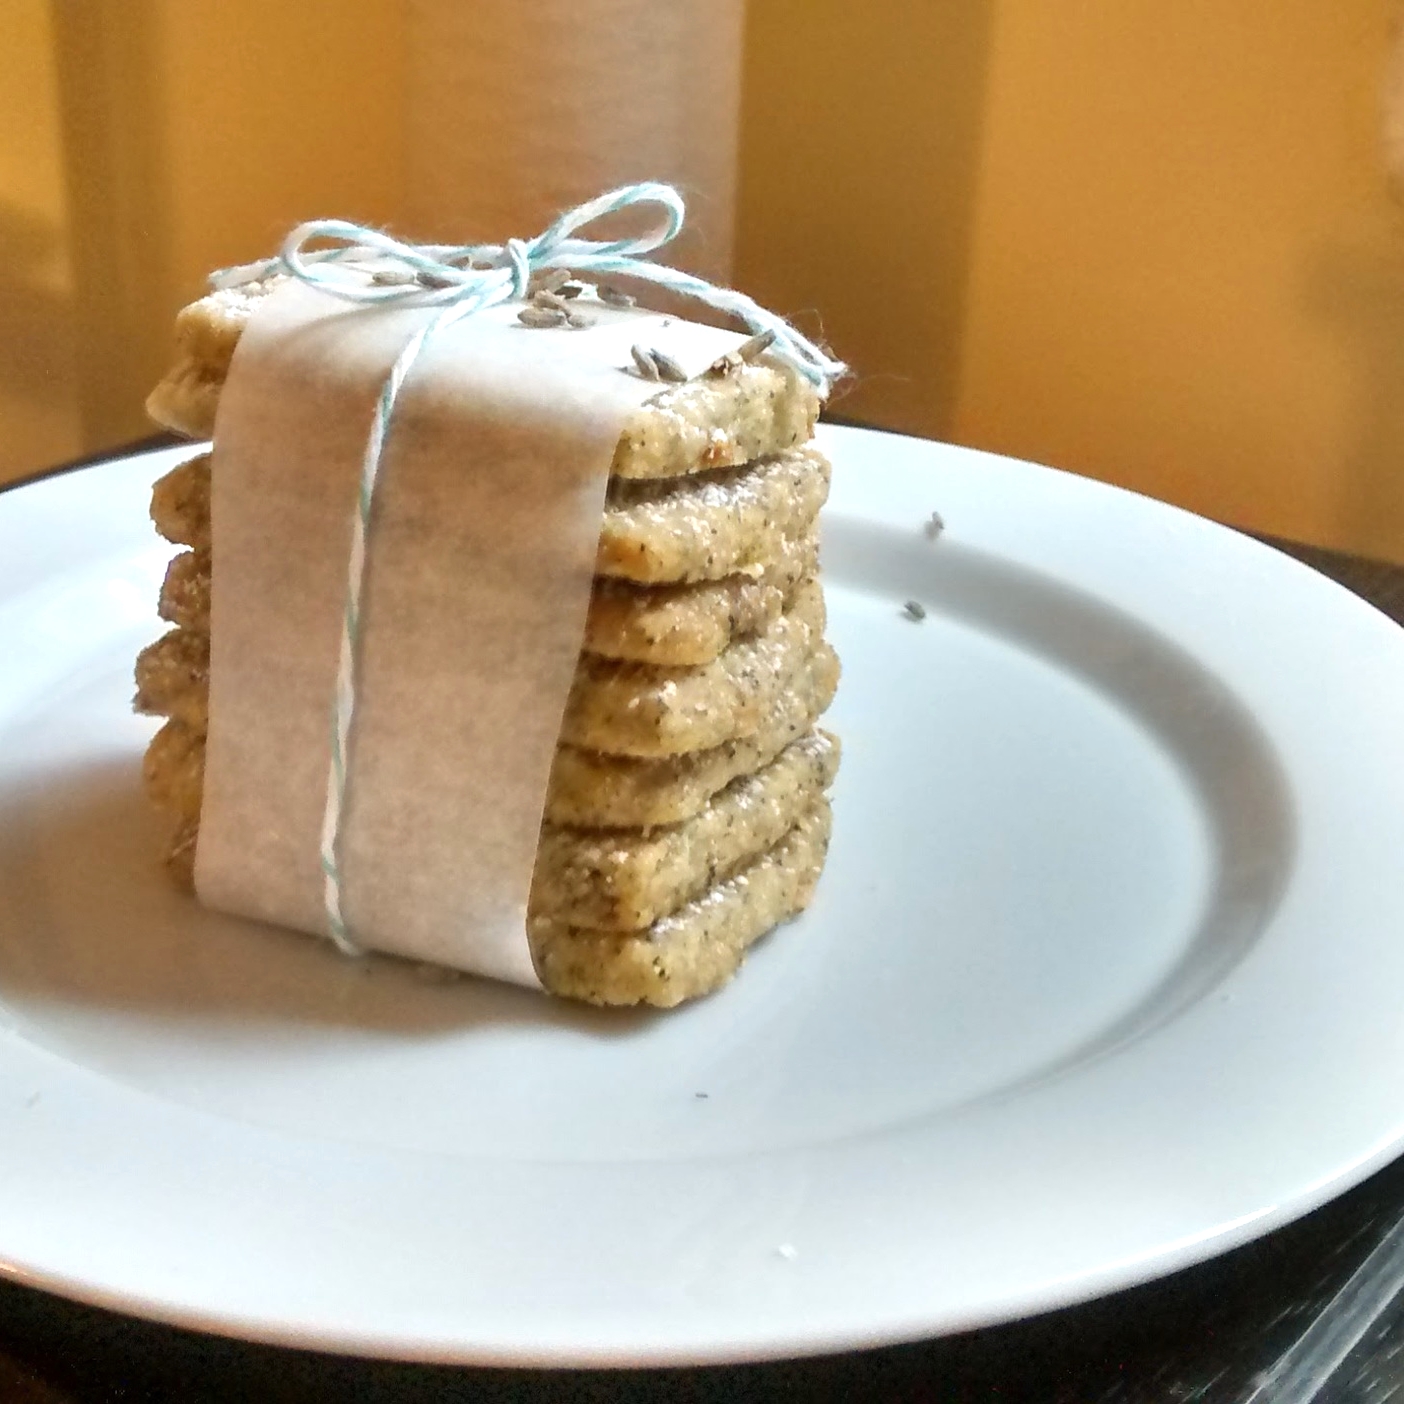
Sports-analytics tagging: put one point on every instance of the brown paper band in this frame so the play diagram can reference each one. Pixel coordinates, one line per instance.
(482, 543)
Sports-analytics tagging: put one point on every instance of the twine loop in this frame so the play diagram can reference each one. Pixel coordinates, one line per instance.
(366, 265)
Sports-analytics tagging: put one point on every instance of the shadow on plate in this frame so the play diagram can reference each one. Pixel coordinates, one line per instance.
(89, 918)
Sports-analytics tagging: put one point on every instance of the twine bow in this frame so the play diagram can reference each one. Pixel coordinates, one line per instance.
(367, 266)
(465, 278)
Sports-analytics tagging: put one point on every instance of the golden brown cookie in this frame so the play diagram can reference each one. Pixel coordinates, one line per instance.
(698, 948)
(618, 709)
(675, 625)
(708, 527)
(712, 525)
(642, 709)
(626, 879)
(595, 791)
(708, 422)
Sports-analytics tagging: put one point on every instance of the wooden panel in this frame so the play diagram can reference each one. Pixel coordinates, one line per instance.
(38, 381)
(196, 134)
(859, 146)
(1187, 275)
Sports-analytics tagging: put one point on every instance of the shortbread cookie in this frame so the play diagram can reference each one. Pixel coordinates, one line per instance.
(185, 592)
(711, 421)
(173, 771)
(699, 947)
(206, 333)
(676, 625)
(707, 527)
(625, 880)
(619, 709)
(180, 503)
(641, 709)
(173, 678)
(586, 789)
(692, 624)
(618, 792)
(711, 525)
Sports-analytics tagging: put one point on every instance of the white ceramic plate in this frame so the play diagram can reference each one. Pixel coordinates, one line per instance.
(1106, 974)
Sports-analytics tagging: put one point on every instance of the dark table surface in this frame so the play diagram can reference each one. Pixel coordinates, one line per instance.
(1209, 1334)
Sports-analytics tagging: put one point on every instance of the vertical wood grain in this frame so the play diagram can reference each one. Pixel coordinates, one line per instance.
(519, 111)
(1187, 272)
(860, 145)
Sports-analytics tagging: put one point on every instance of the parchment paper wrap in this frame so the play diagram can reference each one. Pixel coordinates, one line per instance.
(480, 555)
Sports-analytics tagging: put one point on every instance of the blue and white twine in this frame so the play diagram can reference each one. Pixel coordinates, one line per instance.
(463, 279)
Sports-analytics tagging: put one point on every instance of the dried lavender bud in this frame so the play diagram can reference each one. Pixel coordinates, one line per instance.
(542, 298)
(761, 342)
(668, 368)
(534, 316)
(550, 281)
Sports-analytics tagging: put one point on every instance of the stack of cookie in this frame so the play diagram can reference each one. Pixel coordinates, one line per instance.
(686, 813)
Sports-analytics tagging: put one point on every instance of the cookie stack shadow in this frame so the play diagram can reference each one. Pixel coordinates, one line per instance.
(687, 810)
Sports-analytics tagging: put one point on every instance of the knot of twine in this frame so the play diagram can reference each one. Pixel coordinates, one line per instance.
(465, 278)
(367, 266)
